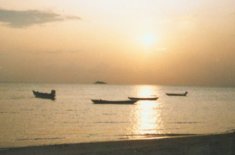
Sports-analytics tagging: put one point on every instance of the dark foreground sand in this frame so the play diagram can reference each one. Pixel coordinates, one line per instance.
(221, 144)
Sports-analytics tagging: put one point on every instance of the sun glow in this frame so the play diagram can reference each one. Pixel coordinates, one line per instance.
(148, 40)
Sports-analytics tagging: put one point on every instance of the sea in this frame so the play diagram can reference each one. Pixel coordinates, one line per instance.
(73, 118)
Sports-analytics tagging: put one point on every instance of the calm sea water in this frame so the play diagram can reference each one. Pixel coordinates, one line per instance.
(73, 118)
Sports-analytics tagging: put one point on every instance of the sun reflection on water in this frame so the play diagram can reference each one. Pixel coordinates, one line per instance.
(146, 91)
(147, 113)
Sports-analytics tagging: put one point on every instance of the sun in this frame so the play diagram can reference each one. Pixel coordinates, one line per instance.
(148, 40)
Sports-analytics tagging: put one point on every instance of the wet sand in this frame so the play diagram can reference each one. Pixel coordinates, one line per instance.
(219, 144)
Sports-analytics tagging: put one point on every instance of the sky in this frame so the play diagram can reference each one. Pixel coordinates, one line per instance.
(166, 42)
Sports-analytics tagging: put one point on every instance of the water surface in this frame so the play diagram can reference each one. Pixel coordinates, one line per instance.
(73, 118)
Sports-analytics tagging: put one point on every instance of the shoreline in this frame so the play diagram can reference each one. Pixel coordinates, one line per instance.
(196, 145)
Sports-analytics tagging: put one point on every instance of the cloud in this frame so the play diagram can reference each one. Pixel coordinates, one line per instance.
(26, 18)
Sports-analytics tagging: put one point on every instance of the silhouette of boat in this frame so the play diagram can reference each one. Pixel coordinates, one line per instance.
(100, 82)
(177, 94)
(45, 95)
(143, 98)
(100, 101)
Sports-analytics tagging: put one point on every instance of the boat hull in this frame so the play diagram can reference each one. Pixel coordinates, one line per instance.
(99, 101)
(177, 94)
(44, 95)
(143, 98)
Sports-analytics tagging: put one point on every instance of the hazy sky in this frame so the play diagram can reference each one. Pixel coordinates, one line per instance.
(183, 42)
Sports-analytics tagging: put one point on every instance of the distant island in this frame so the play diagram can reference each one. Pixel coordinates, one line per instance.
(100, 82)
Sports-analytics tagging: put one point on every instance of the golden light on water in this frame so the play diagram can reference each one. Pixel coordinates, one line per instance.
(147, 118)
(146, 91)
(148, 115)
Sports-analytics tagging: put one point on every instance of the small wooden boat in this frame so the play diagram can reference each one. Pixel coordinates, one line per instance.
(100, 82)
(100, 101)
(45, 95)
(177, 94)
(143, 98)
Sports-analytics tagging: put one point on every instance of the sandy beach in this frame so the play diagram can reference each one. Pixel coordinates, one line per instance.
(219, 144)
